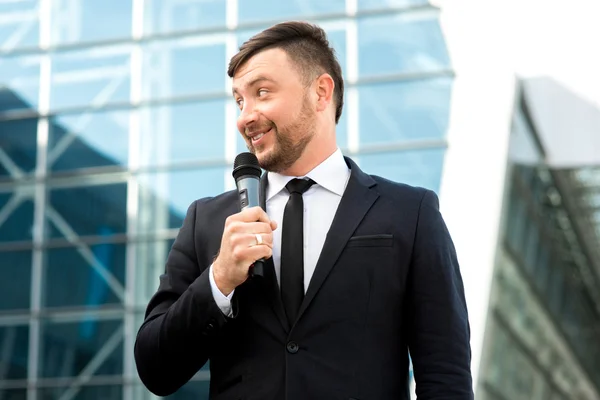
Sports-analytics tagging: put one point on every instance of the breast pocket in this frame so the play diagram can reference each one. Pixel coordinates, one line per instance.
(381, 240)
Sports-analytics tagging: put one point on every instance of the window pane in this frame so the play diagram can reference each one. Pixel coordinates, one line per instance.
(265, 10)
(67, 348)
(19, 83)
(404, 111)
(18, 141)
(400, 43)
(93, 274)
(165, 16)
(91, 77)
(191, 65)
(416, 167)
(166, 196)
(86, 20)
(20, 24)
(193, 390)
(150, 264)
(16, 216)
(104, 392)
(88, 140)
(15, 345)
(90, 210)
(13, 394)
(378, 4)
(183, 133)
(15, 291)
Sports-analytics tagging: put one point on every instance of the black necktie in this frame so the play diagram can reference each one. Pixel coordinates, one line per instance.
(292, 249)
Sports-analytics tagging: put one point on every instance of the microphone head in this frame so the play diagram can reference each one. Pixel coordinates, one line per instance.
(246, 164)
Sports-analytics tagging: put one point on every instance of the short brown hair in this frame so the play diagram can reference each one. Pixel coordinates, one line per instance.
(307, 46)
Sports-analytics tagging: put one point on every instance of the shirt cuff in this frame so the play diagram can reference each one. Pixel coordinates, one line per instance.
(223, 302)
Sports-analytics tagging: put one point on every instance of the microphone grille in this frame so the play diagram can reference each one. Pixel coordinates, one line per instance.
(246, 164)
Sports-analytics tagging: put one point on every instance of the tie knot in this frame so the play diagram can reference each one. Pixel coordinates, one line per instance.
(299, 185)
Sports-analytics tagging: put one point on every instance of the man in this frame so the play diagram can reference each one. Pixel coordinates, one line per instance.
(359, 270)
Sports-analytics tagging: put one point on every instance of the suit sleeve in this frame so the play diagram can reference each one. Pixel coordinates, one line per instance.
(181, 319)
(439, 331)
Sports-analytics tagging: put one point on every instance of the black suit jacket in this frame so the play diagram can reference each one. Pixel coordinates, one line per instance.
(387, 282)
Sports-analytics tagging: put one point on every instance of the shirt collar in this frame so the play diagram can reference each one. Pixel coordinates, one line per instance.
(332, 174)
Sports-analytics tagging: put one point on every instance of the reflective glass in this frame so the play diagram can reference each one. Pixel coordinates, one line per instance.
(86, 20)
(18, 143)
(166, 196)
(191, 65)
(16, 216)
(67, 348)
(90, 77)
(183, 133)
(19, 83)
(150, 264)
(104, 392)
(86, 140)
(378, 4)
(15, 286)
(400, 111)
(15, 346)
(89, 210)
(267, 10)
(94, 275)
(164, 16)
(414, 167)
(19, 24)
(398, 43)
(13, 394)
(193, 390)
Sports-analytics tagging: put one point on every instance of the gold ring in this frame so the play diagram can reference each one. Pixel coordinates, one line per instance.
(259, 239)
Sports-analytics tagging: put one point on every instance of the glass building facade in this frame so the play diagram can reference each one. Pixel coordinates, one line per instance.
(115, 115)
(542, 339)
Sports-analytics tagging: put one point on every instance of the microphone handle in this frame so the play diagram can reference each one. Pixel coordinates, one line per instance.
(248, 191)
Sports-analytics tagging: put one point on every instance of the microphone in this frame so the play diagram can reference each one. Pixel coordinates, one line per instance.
(246, 172)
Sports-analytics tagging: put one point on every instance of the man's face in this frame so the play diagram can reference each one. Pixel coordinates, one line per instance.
(277, 120)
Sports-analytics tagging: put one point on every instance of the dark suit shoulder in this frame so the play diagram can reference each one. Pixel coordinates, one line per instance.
(398, 191)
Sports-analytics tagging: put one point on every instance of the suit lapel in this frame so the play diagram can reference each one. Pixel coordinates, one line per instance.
(270, 284)
(356, 201)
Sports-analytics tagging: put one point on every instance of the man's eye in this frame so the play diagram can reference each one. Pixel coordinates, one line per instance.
(262, 91)
(239, 102)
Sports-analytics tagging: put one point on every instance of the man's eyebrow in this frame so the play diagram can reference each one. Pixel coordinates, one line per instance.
(254, 81)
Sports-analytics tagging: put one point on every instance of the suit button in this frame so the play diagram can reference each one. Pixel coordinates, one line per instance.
(292, 347)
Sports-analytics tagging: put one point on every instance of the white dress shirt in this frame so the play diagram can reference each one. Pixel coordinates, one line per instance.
(321, 201)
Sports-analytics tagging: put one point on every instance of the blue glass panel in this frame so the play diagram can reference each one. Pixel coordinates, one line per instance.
(183, 133)
(93, 210)
(165, 16)
(193, 390)
(94, 76)
(180, 189)
(15, 342)
(88, 140)
(192, 65)
(18, 139)
(415, 167)
(72, 268)
(20, 24)
(68, 347)
(400, 111)
(382, 4)
(18, 224)
(275, 10)
(19, 83)
(400, 43)
(104, 392)
(15, 287)
(90, 18)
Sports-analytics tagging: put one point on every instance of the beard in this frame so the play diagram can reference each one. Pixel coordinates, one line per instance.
(290, 141)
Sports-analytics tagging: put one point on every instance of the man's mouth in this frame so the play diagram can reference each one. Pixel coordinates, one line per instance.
(254, 138)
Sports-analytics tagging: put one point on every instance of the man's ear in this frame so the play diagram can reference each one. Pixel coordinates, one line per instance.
(324, 86)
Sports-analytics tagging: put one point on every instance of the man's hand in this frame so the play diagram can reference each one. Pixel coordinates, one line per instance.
(240, 249)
